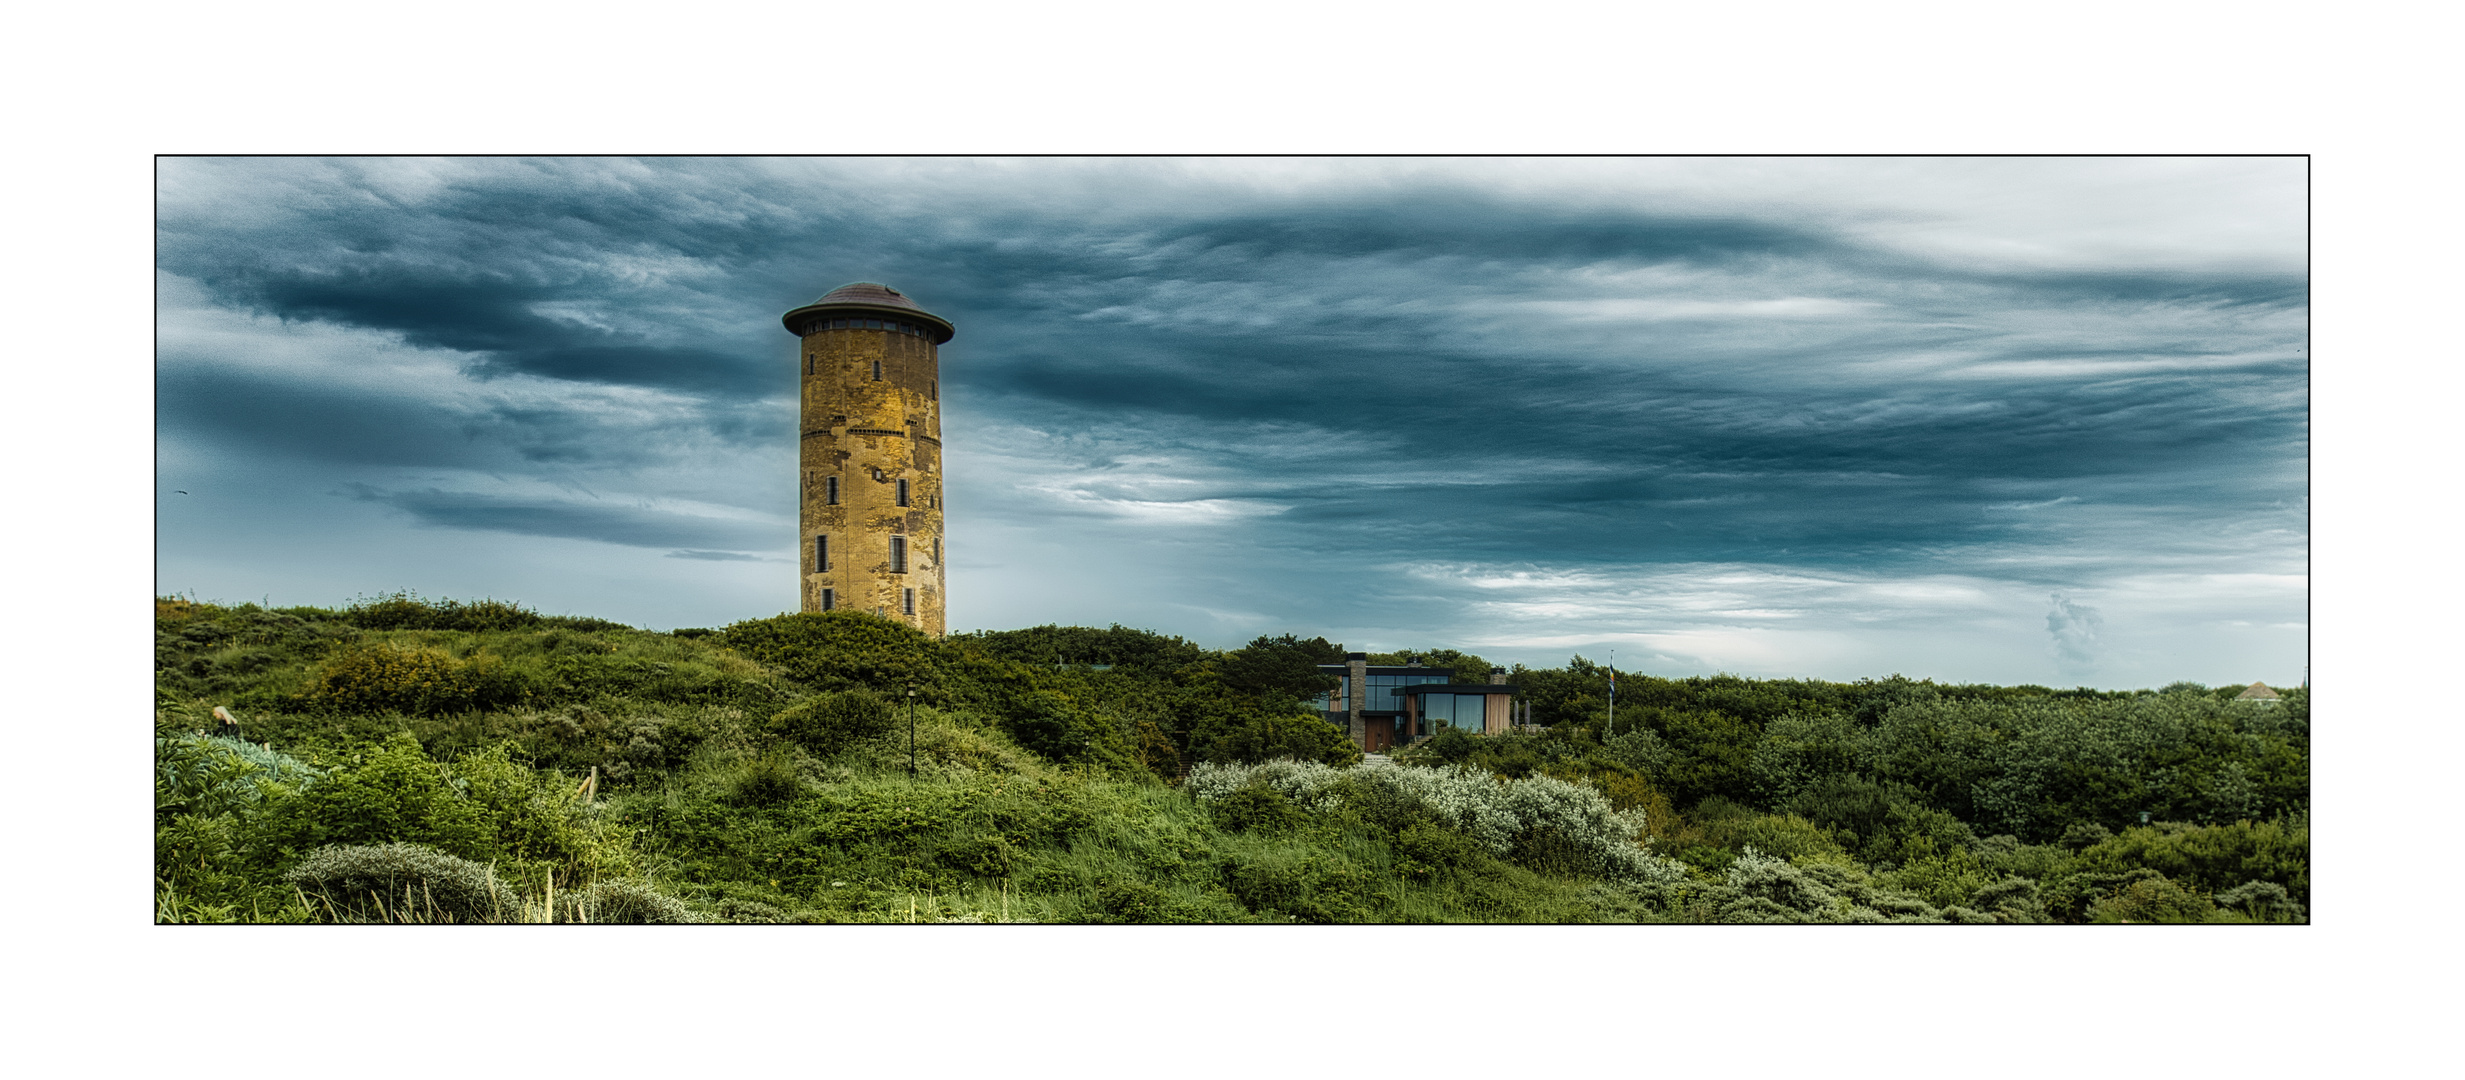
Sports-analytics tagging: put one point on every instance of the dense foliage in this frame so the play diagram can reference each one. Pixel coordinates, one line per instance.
(407, 760)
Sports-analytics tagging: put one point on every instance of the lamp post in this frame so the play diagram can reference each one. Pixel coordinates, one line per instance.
(911, 731)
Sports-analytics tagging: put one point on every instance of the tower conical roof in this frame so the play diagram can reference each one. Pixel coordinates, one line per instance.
(871, 298)
(867, 292)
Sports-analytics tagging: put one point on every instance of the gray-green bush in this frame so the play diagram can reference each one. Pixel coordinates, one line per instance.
(620, 901)
(402, 883)
(1539, 821)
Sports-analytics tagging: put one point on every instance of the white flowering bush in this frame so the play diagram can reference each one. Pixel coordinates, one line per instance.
(1307, 783)
(1535, 820)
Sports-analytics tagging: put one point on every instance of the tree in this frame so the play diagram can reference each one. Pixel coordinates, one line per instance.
(1283, 670)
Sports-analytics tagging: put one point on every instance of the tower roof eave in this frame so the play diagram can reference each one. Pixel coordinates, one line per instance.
(870, 299)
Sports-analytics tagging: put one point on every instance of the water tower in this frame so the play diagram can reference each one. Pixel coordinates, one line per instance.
(870, 454)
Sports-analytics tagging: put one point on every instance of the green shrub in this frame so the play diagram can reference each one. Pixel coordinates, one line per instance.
(1879, 822)
(2156, 899)
(2214, 857)
(534, 819)
(1227, 727)
(2080, 835)
(1072, 646)
(1257, 808)
(1305, 887)
(2006, 855)
(1783, 836)
(2262, 901)
(842, 650)
(1799, 752)
(765, 780)
(1639, 749)
(1709, 753)
(1127, 900)
(407, 611)
(829, 723)
(394, 793)
(1758, 888)
(621, 902)
(1709, 859)
(208, 775)
(1450, 746)
(387, 677)
(402, 883)
(1756, 875)
(2011, 900)
(1943, 877)
(1423, 851)
(735, 910)
(1051, 724)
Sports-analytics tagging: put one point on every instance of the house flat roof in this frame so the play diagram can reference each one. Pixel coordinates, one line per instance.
(1388, 669)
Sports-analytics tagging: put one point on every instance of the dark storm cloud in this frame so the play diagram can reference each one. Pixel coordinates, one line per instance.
(1440, 223)
(1691, 463)
(264, 413)
(629, 526)
(491, 314)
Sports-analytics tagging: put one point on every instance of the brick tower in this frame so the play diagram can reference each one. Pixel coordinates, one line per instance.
(871, 454)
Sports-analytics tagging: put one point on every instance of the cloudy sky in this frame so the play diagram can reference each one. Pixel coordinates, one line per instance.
(2010, 420)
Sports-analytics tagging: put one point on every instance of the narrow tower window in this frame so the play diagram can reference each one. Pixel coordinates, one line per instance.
(830, 491)
(936, 385)
(877, 371)
(937, 551)
(898, 554)
(821, 553)
(902, 492)
(907, 601)
(830, 599)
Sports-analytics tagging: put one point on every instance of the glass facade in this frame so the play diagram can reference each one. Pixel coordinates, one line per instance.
(1466, 711)
(1382, 696)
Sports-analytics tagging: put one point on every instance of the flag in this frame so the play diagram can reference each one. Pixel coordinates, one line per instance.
(1613, 682)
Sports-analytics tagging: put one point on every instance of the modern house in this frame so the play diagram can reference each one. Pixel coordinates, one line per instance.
(1387, 706)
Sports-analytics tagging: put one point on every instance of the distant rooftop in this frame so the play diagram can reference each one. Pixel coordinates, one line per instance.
(2256, 692)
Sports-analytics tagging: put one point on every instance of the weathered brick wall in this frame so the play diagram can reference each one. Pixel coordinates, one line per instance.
(872, 434)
